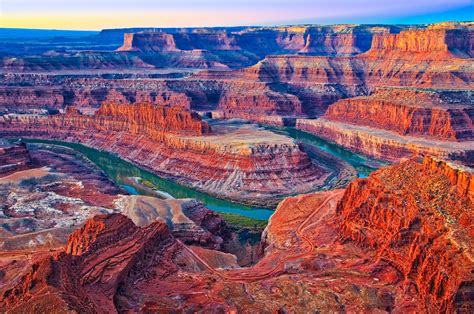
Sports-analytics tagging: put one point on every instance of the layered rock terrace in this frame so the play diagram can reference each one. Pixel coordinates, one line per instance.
(234, 161)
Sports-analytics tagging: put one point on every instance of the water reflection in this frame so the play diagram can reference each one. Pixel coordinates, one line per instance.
(363, 165)
(119, 171)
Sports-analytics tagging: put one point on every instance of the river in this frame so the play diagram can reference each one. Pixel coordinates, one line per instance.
(120, 172)
(362, 164)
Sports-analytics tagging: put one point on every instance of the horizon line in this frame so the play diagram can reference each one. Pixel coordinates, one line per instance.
(230, 26)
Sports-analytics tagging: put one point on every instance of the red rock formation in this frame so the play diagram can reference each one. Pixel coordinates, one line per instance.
(407, 112)
(320, 40)
(156, 42)
(431, 43)
(314, 82)
(385, 145)
(100, 256)
(234, 162)
(461, 178)
(144, 119)
(150, 119)
(13, 157)
(417, 216)
(284, 85)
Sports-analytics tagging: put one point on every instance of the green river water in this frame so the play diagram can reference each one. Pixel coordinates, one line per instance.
(119, 171)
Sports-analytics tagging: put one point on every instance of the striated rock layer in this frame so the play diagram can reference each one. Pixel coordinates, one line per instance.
(436, 43)
(443, 116)
(283, 85)
(237, 162)
(395, 123)
(149, 120)
(89, 274)
(385, 145)
(13, 158)
(419, 217)
(387, 243)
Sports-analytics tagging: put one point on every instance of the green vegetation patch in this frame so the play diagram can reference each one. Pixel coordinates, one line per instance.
(147, 184)
(243, 222)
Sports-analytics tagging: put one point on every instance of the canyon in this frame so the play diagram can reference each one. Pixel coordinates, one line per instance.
(232, 161)
(13, 158)
(398, 123)
(324, 168)
(335, 258)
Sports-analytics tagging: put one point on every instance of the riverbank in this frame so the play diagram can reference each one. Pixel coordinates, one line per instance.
(120, 172)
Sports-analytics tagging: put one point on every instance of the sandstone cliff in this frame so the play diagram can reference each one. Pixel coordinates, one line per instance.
(13, 157)
(89, 275)
(418, 216)
(431, 43)
(150, 119)
(309, 84)
(237, 162)
(317, 40)
(157, 42)
(409, 112)
(386, 145)
(283, 85)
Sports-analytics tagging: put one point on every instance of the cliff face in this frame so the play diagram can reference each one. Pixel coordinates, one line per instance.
(89, 275)
(433, 43)
(415, 58)
(363, 71)
(235, 162)
(150, 119)
(13, 158)
(386, 145)
(408, 113)
(221, 47)
(143, 119)
(156, 42)
(422, 226)
(306, 69)
(318, 40)
(282, 85)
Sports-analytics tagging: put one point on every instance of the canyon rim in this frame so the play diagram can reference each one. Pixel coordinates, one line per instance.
(311, 165)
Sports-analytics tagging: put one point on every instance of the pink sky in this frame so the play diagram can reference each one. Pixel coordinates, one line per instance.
(98, 14)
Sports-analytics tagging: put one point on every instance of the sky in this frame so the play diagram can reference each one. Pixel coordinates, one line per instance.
(100, 14)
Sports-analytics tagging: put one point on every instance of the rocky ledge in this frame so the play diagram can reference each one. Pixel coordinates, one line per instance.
(13, 157)
(236, 161)
(418, 215)
(386, 145)
(446, 116)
